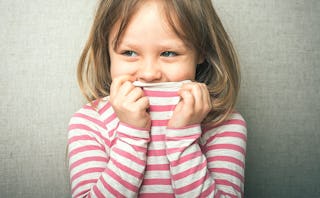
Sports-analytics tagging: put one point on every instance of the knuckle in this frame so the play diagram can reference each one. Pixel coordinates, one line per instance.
(203, 84)
(196, 86)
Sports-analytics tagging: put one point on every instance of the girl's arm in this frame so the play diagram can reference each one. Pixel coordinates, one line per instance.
(105, 162)
(208, 162)
(211, 165)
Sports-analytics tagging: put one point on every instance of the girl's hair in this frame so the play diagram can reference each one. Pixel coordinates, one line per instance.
(196, 22)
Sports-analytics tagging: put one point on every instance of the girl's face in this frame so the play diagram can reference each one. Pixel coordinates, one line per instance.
(150, 50)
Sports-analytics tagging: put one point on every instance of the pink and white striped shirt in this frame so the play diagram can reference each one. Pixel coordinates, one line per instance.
(108, 158)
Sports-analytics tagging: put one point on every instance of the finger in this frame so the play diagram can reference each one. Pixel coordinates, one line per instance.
(196, 90)
(125, 89)
(187, 85)
(143, 103)
(206, 103)
(135, 94)
(207, 95)
(117, 83)
(198, 94)
(187, 98)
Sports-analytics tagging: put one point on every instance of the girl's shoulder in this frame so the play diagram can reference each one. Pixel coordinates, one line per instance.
(235, 118)
(88, 123)
(94, 111)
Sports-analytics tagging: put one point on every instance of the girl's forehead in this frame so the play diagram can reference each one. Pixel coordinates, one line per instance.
(153, 10)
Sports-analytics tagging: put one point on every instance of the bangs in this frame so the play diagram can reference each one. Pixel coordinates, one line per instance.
(184, 22)
(176, 17)
(127, 9)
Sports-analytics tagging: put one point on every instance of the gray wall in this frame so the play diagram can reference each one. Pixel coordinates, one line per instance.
(279, 48)
(278, 43)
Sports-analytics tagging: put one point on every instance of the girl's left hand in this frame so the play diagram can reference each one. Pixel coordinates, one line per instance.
(193, 107)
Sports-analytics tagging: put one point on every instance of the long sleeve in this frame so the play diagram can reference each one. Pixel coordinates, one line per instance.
(208, 162)
(106, 158)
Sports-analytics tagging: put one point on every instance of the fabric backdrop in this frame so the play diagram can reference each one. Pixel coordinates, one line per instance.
(278, 44)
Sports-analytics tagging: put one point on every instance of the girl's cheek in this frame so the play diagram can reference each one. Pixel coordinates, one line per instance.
(119, 68)
(181, 74)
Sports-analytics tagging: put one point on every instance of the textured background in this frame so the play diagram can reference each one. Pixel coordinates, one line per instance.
(279, 47)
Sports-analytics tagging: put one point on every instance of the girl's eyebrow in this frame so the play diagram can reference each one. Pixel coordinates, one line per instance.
(176, 43)
(128, 45)
(167, 44)
(173, 43)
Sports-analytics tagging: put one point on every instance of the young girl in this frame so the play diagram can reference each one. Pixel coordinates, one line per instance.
(115, 148)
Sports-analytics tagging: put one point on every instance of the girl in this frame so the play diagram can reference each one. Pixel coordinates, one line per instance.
(113, 149)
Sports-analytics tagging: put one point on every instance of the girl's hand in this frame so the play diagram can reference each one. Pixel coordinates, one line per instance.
(193, 107)
(129, 102)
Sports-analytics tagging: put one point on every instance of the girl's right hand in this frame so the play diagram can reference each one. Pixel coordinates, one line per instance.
(129, 102)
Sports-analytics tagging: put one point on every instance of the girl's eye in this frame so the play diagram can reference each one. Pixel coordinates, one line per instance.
(129, 53)
(168, 54)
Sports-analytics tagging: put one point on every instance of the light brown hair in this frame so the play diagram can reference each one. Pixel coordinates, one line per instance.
(196, 22)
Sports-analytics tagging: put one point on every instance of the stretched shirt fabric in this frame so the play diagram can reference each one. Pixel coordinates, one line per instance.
(108, 158)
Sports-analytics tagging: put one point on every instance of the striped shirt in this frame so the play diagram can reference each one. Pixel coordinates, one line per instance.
(108, 158)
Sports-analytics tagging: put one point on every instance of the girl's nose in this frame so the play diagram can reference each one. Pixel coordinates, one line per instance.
(149, 72)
